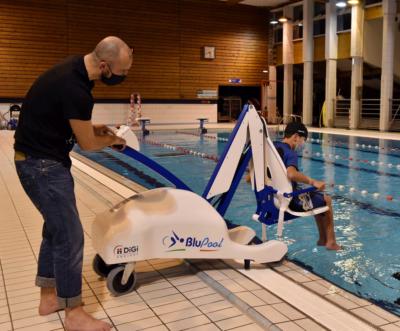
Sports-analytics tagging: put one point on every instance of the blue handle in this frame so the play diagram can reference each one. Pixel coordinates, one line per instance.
(298, 192)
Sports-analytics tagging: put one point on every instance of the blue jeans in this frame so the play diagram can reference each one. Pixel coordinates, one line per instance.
(50, 186)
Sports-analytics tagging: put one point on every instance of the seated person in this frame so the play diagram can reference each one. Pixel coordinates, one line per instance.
(295, 136)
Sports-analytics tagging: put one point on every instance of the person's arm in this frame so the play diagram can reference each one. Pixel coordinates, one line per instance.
(89, 141)
(101, 130)
(296, 176)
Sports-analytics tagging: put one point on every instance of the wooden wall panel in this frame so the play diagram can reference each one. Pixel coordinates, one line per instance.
(167, 36)
(344, 44)
(298, 51)
(319, 48)
(240, 38)
(150, 26)
(373, 13)
(32, 35)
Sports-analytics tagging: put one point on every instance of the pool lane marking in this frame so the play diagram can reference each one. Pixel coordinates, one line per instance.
(313, 141)
(340, 165)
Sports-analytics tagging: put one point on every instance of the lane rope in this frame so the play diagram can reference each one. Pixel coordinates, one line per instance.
(330, 186)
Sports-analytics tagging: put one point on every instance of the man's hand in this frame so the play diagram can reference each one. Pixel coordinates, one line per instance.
(119, 144)
(94, 137)
(102, 130)
(318, 184)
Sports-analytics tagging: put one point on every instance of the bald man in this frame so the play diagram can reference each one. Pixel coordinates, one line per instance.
(55, 114)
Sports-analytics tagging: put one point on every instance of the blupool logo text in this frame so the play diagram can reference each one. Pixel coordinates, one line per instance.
(175, 243)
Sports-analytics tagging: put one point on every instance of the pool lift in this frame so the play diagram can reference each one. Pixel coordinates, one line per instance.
(178, 223)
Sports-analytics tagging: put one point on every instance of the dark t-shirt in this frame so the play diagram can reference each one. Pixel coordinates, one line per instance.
(304, 201)
(58, 95)
(289, 157)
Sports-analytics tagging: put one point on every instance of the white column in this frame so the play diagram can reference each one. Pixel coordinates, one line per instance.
(308, 58)
(271, 95)
(388, 40)
(356, 52)
(287, 60)
(331, 49)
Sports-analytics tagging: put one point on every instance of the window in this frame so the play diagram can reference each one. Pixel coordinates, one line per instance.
(298, 13)
(319, 9)
(297, 31)
(344, 22)
(319, 27)
(278, 35)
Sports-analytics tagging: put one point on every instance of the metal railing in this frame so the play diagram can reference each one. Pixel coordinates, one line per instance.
(395, 109)
(370, 108)
(342, 112)
(395, 121)
(369, 114)
(342, 107)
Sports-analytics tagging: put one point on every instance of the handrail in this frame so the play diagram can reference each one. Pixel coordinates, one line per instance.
(370, 109)
(342, 107)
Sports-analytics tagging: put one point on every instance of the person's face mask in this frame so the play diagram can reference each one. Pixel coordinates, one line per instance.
(301, 143)
(113, 79)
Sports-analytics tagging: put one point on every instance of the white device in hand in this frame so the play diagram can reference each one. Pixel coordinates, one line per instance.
(126, 133)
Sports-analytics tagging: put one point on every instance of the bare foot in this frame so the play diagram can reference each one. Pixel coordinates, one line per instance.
(48, 301)
(334, 247)
(321, 242)
(76, 319)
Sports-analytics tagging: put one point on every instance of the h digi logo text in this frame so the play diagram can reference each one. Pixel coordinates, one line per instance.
(126, 251)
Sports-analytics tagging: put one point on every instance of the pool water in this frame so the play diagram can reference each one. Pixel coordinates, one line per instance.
(362, 176)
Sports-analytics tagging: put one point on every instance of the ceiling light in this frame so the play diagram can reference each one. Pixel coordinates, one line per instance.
(273, 21)
(353, 2)
(283, 19)
(341, 4)
(265, 71)
(300, 24)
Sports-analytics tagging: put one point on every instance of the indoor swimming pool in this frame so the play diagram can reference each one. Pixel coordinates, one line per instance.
(362, 175)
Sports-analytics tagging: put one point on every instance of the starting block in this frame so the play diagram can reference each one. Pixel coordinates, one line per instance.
(202, 128)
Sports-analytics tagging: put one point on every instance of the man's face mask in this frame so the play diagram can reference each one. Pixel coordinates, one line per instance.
(113, 79)
(301, 143)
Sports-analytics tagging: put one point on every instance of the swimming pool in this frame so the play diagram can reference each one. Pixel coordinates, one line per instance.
(366, 196)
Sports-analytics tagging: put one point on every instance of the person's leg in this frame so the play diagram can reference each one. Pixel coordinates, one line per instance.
(325, 220)
(48, 301)
(64, 236)
(34, 184)
(319, 220)
(67, 242)
(302, 203)
(45, 276)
